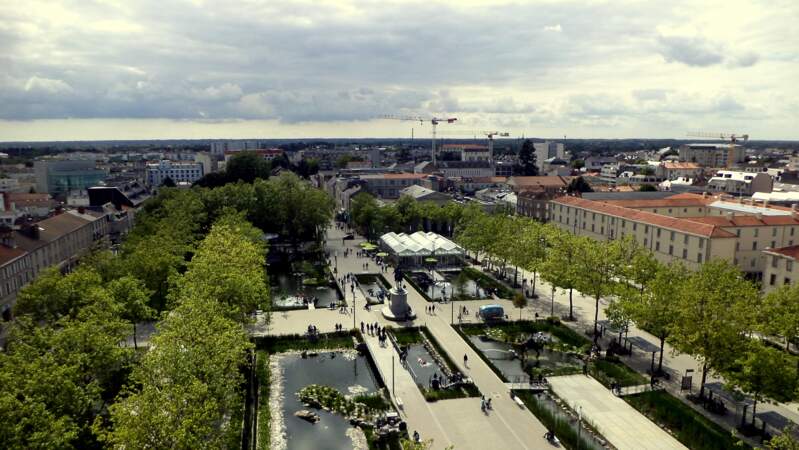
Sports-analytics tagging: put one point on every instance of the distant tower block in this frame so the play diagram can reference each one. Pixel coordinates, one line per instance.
(398, 308)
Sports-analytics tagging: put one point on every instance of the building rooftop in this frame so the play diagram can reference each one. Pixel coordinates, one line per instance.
(419, 243)
(678, 224)
(747, 221)
(751, 209)
(553, 181)
(680, 165)
(791, 252)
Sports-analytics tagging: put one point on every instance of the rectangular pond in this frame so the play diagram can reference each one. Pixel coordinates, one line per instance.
(441, 285)
(373, 287)
(346, 371)
(295, 290)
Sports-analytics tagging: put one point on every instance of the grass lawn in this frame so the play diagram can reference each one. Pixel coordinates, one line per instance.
(694, 430)
(607, 371)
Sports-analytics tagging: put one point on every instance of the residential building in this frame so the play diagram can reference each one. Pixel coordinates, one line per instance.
(551, 185)
(546, 150)
(740, 183)
(219, 148)
(503, 168)
(781, 267)
(14, 205)
(595, 163)
(460, 169)
(178, 172)
(712, 155)
(267, 154)
(209, 162)
(57, 241)
(533, 204)
(59, 177)
(671, 170)
(9, 184)
(686, 227)
(389, 185)
(463, 152)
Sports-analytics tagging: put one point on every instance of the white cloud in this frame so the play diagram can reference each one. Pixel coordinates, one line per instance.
(570, 66)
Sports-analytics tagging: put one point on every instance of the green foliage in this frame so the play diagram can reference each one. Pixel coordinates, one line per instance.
(691, 428)
(186, 383)
(527, 162)
(607, 371)
(263, 375)
(557, 423)
(647, 188)
(578, 185)
(783, 441)
(227, 268)
(374, 401)
(780, 313)
(57, 378)
(487, 282)
(247, 167)
(715, 309)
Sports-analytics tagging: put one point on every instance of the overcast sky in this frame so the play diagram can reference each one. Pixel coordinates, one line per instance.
(139, 69)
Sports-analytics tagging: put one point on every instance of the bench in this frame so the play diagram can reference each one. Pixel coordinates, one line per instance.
(518, 401)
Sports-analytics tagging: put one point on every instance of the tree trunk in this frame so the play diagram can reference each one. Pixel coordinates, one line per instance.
(571, 307)
(704, 378)
(135, 344)
(754, 410)
(662, 344)
(516, 276)
(596, 320)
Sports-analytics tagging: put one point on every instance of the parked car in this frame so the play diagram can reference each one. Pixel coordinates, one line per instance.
(492, 312)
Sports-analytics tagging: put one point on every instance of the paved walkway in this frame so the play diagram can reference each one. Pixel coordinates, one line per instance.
(618, 422)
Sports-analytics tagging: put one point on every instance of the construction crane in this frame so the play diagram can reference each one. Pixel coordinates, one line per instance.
(434, 121)
(731, 137)
(490, 135)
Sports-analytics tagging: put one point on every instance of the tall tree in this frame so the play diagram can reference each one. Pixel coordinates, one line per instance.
(781, 313)
(714, 313)
(560, 263)
(132, 297)
(597, 271)
(527, 162)
(765, 373)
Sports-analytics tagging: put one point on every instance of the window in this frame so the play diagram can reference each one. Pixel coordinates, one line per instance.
(685, 253)
(772, 279)
(657, 246)
(685, 210)
(671, 249)
(646, 228)
(669, 210)
(773, 232)
(671, 237)
(656, 211)
(646, 242)
(602, 230)
(658, 233)
(699, 257)
(789, 265)
(635, 226)
(738, 232)
(775, 262)
(592, 227)
(791, 231)
(787, 281)
(685, 239)
(773, 244)
(756, 231)
(583, 225)
(752, 262)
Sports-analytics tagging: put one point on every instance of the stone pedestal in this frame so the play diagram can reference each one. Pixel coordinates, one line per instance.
(398, 308)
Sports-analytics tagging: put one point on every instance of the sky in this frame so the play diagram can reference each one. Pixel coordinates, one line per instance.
(172, 69)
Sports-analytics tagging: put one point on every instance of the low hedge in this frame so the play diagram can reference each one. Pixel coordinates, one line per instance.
(278, 344)
(263, 432)
(607, 371)
(691, 428)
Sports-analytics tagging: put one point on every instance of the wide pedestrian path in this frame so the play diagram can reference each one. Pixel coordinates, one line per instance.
(617, 421)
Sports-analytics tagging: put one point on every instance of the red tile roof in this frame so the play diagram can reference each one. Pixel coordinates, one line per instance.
(747, 221)
(672, 223)
(791, 252)
(8, 254)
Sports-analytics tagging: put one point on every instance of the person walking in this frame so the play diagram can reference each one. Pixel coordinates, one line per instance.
(465, 360)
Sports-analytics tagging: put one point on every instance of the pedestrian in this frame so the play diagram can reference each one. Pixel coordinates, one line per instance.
(465, 360)
(434, 308)
(362, 326)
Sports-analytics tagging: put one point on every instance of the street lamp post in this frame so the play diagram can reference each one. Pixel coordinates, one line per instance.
(392, 376)
(552, 308)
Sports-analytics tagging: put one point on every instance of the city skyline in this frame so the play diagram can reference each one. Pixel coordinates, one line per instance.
(114, 70)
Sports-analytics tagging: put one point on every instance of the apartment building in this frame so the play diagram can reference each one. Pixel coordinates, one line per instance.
(179, 172)
(691, 228)
(712, 155)
(780, 267)
(740, 183)
(56, 241)
(547, 150)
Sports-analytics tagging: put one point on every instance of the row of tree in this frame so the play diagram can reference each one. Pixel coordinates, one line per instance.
(194, 258)
(249, 166)
(186, 391)
(714, 313)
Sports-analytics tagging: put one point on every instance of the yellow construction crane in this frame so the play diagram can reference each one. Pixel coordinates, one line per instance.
(732, 138)
(434, 121)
